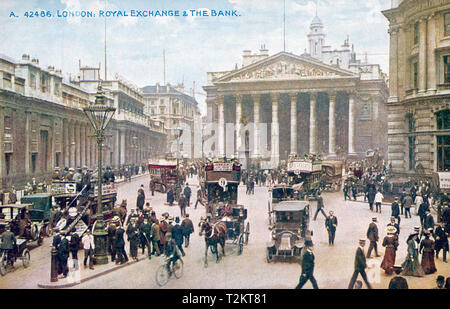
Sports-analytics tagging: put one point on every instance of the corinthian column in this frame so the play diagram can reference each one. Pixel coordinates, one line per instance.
(275, 130)
(256, 105)
(351, 124)
(312, 123)
(221, 122)
(422, 55)
(431, 57)
(293, 97)
(238, 124)
(393, 67)
(332, 125)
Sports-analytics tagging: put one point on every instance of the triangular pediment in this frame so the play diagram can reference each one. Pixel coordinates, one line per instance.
(283, 66)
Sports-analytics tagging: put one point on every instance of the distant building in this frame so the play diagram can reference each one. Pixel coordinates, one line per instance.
(325, 101)
(419, 86)
(42, 125)
(175, 109)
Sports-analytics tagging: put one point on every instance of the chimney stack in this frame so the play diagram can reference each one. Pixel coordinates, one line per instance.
(263, 51)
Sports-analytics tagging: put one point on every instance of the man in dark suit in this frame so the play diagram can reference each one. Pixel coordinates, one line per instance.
(395, 208)
(319, 206)
(360, 266)
(140, 199)
(7, 242)
(372, 235)
(307, 267)
(428, 222)
(63, 255)
(119, 246)
(331, 224)
(177, 235)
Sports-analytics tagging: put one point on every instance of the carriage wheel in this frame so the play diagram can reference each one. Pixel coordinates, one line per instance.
(178, 269)
(48, 230)
(163, 189)
(269, 256)
(162, 275)
(247, 233)
(241, 244)
(34, 232)
(3, 264)
(26, 258)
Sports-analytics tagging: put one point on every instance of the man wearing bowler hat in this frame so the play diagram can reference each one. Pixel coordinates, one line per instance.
(307, 267)
(360, 265)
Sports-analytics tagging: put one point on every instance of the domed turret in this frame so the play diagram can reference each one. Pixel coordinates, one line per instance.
(316, 38)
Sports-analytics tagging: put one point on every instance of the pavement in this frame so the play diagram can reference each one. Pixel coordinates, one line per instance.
(334, 264)
(81, 274)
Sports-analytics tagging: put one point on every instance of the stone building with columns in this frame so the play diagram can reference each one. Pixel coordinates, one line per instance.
(283, 104)
(419, 86)
(171, 105)
(42, 125)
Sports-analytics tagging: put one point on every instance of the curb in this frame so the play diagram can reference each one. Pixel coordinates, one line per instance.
(55, 285)
(382, 204)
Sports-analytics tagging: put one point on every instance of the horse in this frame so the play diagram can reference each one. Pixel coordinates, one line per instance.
(214, 234)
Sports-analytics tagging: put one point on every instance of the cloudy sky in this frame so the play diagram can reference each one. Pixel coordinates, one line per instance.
(193, 45)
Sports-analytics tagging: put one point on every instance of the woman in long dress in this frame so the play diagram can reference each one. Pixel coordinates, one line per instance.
(427, 250)
(390, 242)
(411, 265)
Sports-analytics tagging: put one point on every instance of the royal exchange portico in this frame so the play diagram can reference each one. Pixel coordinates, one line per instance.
(307, 106)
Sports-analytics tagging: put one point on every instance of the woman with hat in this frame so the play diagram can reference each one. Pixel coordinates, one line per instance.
(427, 250)
(390, 242)
(411, 266)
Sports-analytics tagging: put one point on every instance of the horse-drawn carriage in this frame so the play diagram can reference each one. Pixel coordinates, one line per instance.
(289, 230)
(226, 220)
(163, 173)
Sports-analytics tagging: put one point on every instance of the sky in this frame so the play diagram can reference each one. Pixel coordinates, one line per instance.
(193, 45)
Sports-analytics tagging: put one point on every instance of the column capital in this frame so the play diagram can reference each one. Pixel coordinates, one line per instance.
(239, 97)
(332, 95)
(275, 96)
(256, 96)
(393, 30)
(220, 98)
(313, 95)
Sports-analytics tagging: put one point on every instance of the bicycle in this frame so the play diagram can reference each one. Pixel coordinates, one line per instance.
(163, 273)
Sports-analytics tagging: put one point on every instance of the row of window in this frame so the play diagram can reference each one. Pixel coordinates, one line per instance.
(446, 72)
(442, 141)
(446, 28)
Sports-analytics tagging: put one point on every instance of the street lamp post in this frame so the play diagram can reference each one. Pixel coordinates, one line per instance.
(99, 116)
(179, 132)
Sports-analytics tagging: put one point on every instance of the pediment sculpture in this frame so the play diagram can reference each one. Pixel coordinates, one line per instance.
(282, 69)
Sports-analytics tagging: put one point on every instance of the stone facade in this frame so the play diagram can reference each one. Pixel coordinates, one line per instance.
(175, 109)
(42, 125)
(419, 85)
(309, 106)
